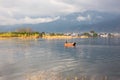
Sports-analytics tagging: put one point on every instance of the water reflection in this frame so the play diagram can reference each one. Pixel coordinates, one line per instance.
(91, 57)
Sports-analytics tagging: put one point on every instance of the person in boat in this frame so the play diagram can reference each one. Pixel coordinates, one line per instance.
(74, 43)
(69, 44)
(66, 41)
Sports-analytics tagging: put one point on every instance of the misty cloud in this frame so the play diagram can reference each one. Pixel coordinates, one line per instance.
(26, 20)
(83, 18)
(11, 10)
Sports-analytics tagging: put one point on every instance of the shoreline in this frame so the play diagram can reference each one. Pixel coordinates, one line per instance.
(44, 37)
(22, 38)
(59, 37)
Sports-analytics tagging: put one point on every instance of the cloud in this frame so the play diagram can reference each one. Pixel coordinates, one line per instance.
(64, 7)
(26, 20)
(112, 6)
(14, 10)
(35, 7)
(83, 18)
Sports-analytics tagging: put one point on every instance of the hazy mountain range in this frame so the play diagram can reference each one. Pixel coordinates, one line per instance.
(76, 22)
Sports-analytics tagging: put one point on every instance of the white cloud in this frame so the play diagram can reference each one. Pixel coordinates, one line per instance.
(83, 18)
(99, 5)
(36, 7)
(26, 20)
(29, 20)
(65, 7)
(11, 10)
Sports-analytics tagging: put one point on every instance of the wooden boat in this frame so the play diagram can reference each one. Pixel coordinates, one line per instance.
(70, 44)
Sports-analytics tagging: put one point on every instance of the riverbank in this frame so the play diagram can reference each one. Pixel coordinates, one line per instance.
(23, 38)
(59, 37)
(19, 35)
(36, 35)
(26, 37)
(44, 37)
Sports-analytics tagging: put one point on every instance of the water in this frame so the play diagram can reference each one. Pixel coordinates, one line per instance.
(91, 57)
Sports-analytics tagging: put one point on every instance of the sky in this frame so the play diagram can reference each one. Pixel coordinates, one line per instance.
(42, 11)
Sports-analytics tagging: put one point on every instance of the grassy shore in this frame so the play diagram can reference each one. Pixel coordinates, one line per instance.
(63, 37)
(34, 35)
(26, 33)
(58, 37)
(19, 35)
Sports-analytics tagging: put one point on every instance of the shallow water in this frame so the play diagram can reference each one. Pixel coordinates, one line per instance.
(94, 57)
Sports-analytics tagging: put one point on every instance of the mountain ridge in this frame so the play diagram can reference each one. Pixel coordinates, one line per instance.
(76, 22)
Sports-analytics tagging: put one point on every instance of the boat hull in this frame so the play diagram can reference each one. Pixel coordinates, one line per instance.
(70, 44)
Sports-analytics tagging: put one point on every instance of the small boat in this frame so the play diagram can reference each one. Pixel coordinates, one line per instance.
(70, 44)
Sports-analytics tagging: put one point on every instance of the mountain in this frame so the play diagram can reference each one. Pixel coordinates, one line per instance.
(76, 22)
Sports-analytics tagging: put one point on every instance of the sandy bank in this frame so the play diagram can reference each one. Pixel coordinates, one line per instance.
(58, 37)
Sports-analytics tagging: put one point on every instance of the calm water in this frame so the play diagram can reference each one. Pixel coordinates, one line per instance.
(91, 57)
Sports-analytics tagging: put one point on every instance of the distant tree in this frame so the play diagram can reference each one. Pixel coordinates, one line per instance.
(59, 34)
(52, 34)
(110, 35)
(92, 31)
(95, 35)
(86, 34)
(43, 33)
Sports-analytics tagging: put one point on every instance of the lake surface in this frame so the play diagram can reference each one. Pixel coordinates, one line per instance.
(94, 58)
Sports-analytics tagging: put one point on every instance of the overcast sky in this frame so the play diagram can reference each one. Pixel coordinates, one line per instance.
(32, 11)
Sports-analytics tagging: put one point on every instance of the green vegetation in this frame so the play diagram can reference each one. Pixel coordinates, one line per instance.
(86, 34)
(90, 34)
(19, 34)
(94, 34)
(28, 33)
(56, 34)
